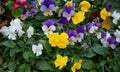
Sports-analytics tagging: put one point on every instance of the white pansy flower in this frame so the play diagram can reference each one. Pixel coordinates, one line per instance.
(4, 30)
(12, 35)
(30, 31)
(116, 17)
(98, 35)
(37, 49)
(48, 30)
(117, 34)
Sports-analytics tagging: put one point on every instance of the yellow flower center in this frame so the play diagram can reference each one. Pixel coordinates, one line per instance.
(47, 11)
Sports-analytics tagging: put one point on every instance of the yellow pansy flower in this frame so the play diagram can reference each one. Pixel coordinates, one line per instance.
(76, 66)
(104, 14)
(78, 17)
(84, 6)
(61, 61)
(58, 40)
(69, 3)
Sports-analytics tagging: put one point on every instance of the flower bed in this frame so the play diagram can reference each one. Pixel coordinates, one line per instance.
(59, 36)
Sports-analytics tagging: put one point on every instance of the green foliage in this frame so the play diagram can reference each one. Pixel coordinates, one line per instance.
(17, 55)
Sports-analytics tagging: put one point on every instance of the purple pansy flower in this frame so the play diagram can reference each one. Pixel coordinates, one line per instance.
(48, 27)
(88, 26)
(92, 27)
(47, 7)
(112, 40)
(63, 20)
(33, 3)
(68, 11)
(80, 29)
(103, 34)
(72, 36)
(108, 7)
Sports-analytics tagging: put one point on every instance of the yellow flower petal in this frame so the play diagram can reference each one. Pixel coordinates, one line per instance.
(78, 17)
(84, 6)
(61, 61)
(104, 14)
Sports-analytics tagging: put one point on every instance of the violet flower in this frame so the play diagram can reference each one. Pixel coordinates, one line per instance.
(72, 36)
(48, 27)
(112, 42)
(68, 11)
(108, 7)
(48, 7)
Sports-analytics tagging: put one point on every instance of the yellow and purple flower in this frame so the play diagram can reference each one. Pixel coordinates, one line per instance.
(48, 7)
(48, 27)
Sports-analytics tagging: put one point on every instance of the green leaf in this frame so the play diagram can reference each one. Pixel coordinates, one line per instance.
(43, 65)
(21, 44)
(28, 54)
(24, 68)
(100, 50)
(17, 12)
(10, 44)
(14, 51)
(89, 53)
(87, 64)
(46, 45)
(8, 3)
(12, 67)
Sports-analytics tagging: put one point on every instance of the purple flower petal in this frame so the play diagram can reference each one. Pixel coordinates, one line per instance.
(63, 20)
(88, 26)
(47, 3)
(112, 40)
(108, 7)
(80, 29)
(48, 23)
(103, 34)
(43, 8)
(68, 9)
(71, 33)
(52, 7)
(33, 3)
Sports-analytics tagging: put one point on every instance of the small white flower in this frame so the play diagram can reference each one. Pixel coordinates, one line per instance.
(98, 35)
(116, 17)
(12, 35)
(93, 29)
(30, 31)
(16, 24)
(20, 33)
(4, 30)
(117, 34)
(37, 49)
(48, 30)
